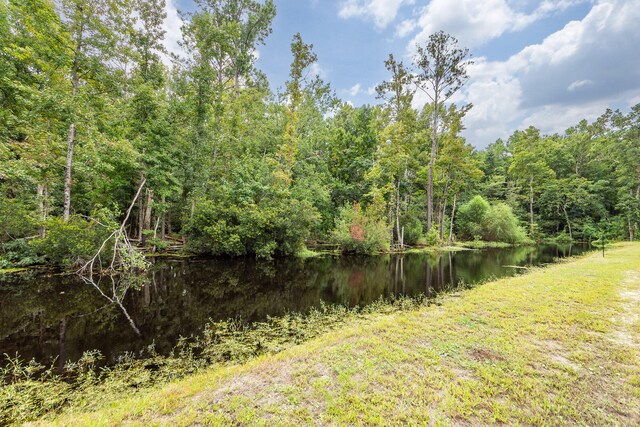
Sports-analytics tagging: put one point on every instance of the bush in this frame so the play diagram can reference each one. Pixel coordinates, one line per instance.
(73, 243)
(477, 219)
(501, 225)
(356, 232)
(471, 218)
(433, 236)
(413, 232)
(563, 237)
(18, 253)
(274, 225)
(16, 218)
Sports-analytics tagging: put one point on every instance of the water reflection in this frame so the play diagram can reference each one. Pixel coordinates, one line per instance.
(59, 316)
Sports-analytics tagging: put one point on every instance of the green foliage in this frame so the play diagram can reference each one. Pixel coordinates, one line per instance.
(432, 237)
(276, 224)
(502, 226)
(357, 232)
(266, 170)
(413, 229)
(472, 217)
(73, 243)
(18, 253)
(16, 218)
(494, 223)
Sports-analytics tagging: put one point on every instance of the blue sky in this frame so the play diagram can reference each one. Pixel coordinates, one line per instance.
(545, 63)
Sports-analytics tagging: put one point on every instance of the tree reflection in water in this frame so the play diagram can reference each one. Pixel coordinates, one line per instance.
(48, 316)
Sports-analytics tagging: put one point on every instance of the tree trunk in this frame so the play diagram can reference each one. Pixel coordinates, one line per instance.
(566, 216)
(531, 204)
(444, 210)
(155, 234)
(236, 80)
(43, 202)
(453, 214)
(71, 138)
(390, 220)
(140, 215)
(67, 172)
(147, 215)
(398, 235)
(163, 219)
(432, 159)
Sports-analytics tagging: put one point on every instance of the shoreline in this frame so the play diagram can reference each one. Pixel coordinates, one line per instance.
(483, 355)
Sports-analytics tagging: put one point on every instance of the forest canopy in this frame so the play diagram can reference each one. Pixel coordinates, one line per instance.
(95, 120)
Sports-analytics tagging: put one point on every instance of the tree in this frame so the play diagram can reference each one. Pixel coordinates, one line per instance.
(529, 165)
(568, 197)
(303, 57)
(398, 92)
(397, 139)
(92, 39)
(441, 73)
(626, 149)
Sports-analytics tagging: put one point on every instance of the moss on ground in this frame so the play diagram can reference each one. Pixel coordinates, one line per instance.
(557, 346)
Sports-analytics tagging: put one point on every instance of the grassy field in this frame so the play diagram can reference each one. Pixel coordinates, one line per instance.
(557, 346)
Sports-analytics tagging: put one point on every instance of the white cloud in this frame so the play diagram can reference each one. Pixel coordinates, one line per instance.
(382, 12)
(574, 73)
(171, 26)
(578, 84)
(406, 27)
(475, 22)
(317, 70)
(557, 118)
(355, 89)
(472, 22)
(371, 90)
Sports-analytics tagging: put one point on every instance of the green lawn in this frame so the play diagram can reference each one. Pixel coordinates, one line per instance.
(557, 346)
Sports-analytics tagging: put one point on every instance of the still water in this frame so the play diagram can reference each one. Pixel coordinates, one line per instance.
(53, 316)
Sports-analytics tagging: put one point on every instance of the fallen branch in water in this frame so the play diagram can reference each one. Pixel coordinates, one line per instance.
(125, 256)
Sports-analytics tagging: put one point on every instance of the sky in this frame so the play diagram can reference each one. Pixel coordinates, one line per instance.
(547, 63)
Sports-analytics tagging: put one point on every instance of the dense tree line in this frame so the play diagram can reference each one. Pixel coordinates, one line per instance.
(91, 116)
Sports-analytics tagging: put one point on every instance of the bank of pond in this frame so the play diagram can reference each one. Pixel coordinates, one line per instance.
(58, 316)
(61, 336)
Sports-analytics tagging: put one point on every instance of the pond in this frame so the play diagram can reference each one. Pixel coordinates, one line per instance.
(57, 316)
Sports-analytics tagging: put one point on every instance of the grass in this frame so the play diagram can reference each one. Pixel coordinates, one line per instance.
(13, 270)
(481, 244)
(431, 249)
(556, 346)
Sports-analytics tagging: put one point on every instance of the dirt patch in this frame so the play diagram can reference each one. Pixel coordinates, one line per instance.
(555, 352)
(630, 315)
(485, 354)
(560, 359)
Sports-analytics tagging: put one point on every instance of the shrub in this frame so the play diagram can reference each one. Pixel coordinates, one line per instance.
(433, 236)
(563, 237)
(356, 232)
(501, 225)
(16, 218)
(18, 253)
(477, 219)
(413, 232)
(471, 218)
(72, 243)
(274, 225)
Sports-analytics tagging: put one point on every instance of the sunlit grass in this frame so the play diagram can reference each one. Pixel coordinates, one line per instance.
(557, 346)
